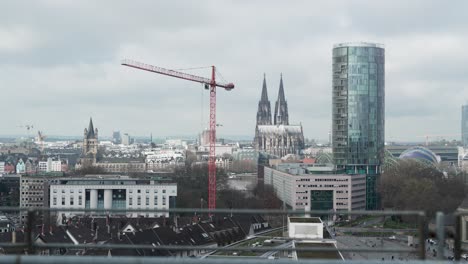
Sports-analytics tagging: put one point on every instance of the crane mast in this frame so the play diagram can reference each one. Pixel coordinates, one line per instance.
(212, 135)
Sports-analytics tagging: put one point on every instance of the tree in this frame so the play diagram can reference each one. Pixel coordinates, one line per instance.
(412, 185)
(90, 170)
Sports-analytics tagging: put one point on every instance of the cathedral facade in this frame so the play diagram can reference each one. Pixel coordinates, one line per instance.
(278, 138)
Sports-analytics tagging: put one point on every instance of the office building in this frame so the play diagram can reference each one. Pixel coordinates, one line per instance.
(126, 139)
(306, 187)
(34, 193)
(116, 138)
(359, 111)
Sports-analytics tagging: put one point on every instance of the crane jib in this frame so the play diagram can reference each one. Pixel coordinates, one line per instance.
(209, 83)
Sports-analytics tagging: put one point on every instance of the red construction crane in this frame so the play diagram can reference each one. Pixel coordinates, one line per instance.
(212, 85)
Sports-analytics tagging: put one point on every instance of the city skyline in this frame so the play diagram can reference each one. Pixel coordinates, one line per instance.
(57, 75)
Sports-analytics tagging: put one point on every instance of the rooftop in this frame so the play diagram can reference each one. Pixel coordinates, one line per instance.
(359, 44)
(305, 220)
(317, 254)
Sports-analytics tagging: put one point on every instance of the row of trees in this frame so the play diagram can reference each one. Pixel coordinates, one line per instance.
(415, 186)
(192, 183)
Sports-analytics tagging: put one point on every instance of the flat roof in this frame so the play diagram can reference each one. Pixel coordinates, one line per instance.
(317, 254)
(359, 44)
(305, 220)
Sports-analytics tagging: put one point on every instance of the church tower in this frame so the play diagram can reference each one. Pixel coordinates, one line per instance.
(281, 116)
(90, 141)
(264, 109)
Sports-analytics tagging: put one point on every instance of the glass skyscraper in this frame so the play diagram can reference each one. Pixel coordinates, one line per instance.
(464, 125)
(359, 111)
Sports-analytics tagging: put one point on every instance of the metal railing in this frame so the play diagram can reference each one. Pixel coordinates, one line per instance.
(30, 246)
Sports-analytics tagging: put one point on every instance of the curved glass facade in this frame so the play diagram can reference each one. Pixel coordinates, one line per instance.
(358, 104)
(420, 153)
(359, 111)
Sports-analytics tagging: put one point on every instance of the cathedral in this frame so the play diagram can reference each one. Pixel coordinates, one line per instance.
(278, 138)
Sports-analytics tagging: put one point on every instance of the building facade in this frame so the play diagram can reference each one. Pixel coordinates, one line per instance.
(464, 125)
(279, 138)
(121, 166)
(112, 192)
(359, 111)
(304, 187)
(34, 192)
(126, 139)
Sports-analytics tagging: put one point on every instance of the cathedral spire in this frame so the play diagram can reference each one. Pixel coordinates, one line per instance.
(281, 116)
(264, 89)
(264, 108)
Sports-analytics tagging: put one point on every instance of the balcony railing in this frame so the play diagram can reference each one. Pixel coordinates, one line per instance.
(31, 247)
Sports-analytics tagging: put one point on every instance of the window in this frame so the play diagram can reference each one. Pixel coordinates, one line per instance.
(72, 191)
(63, 190)
(55, 200)
(130, 191)
(147, 190)
(130, 201)
(139, 200)
(155, 191)
(164, 200)
(139, 191)
(155, 200)
(147, 200)
(71, 200)
(63, 200)
(80, 191)
(55, 190)
(164, 191)
(80, 200)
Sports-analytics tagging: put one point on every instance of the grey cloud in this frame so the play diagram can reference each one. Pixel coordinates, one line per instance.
(71, 70)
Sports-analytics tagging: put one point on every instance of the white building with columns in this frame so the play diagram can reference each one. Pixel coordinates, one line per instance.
(112, 192)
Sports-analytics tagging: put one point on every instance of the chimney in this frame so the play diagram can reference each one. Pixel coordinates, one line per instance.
(13, 237)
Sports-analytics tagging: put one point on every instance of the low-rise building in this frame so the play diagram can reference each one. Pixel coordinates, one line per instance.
(305, 227)
(121, 165)
(112, 191)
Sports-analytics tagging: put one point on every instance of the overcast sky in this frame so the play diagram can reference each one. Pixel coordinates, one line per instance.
(60, 63)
